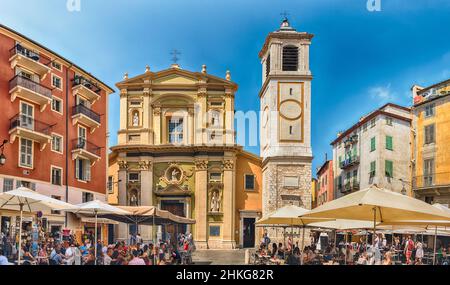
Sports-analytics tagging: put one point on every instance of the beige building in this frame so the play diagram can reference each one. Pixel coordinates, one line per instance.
(176, 150)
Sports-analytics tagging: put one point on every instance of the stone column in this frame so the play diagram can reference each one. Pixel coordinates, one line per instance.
(122, 231)
(146, 194)
(229, 117)
(228, 204)
(157, 125)
(201, 203)
(122, 137)
(200, 118)
(191, 126)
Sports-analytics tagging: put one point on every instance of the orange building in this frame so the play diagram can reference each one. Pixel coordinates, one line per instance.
(248, 198)
(54, 115)
(325, 189)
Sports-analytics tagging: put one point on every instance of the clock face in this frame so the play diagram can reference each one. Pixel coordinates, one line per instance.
(290, 109)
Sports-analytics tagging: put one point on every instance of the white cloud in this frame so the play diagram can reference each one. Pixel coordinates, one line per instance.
(382, 93)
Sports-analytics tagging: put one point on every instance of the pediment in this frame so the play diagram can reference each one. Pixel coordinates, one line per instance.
(174, 79)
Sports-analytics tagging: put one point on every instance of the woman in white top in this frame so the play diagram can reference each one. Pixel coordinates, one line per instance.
(70, 255)
(419, 252)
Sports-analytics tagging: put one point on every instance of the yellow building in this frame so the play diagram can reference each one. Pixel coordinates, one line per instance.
(176, 150)
(431, 143)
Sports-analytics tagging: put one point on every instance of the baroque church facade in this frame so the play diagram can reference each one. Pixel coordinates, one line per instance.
(176, 147)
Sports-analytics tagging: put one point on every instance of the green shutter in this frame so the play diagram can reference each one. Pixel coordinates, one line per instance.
(389, 144)
(372, 144)
(389, 168)
(372, 168)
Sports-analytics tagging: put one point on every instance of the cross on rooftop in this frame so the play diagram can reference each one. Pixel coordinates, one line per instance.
(175, 54)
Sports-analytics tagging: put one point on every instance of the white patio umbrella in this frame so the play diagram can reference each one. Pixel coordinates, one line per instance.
(24, 199)
(96, 208)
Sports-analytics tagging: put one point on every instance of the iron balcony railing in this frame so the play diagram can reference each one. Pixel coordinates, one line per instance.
(19, 49)
(24, 82)
(432, 179)
(81, 143)
(81, 109)
(27, 122)
(350, 161)
(80, 80)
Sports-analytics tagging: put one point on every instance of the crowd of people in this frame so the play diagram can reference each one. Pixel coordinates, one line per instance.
(380, 252)
(69, 252)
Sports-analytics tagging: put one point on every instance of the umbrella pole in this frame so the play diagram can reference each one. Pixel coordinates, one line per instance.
(374, 225)
(303, 244)
(20, 234)
(435, 244)
(95, 249)
(345, 248)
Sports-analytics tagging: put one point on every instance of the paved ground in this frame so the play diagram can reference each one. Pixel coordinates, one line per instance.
(218, 257)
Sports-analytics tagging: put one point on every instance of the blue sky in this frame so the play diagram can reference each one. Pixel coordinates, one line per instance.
(359, 59)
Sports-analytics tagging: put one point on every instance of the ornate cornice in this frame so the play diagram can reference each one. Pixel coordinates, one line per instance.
(123, 92)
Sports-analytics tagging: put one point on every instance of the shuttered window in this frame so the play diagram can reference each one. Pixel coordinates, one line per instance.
(372, 144)
(429, 134)
(372, 168)
(290, 58)
(389, 143)
(389, 168)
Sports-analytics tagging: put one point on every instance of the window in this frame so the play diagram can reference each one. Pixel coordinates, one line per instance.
(26, 116)
(290, 181)
(290, 58)
(372, 123)
(429, 199)
(372, 144)
(372, 168)
(214, 231)
(389, 121)
(54, 212)
(429, 134)
(365, 127)
(56, 81)
(27, 184)
(215, 118)
(87, 197)
(290, 91)
(175, 130)
(389, 143)
(290, 130)
(429, 110)
(215, 176)
(56, 175)
(83, 169)
(133, 176)
(26, 153)
(110, 184)
(56, 65)
(389, 168)
(249, 182)
(57, 143)
(428, 171)
(8, 184)
(56, 105)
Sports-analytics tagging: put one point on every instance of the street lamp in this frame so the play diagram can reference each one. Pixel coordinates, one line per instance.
(2, 155)
(403, 191)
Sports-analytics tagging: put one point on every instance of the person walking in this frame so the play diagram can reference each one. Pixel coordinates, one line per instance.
(409, 247)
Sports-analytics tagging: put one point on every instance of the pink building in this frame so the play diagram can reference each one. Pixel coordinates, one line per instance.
(325, 191)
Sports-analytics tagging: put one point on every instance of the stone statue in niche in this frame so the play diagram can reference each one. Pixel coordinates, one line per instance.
(215, 202)
(175, 174)
(133, 199)
(135, 119)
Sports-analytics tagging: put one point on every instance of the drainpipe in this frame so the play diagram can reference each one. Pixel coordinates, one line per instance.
(66, 143)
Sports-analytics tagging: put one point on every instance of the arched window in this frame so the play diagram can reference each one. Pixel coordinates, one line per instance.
(290, 58)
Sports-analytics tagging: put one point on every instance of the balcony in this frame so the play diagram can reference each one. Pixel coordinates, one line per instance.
(431, 184)
(29, 128)
(349, 162)
(86, 89)
(27, 89)
(23, 57)
(351, 140)
(81, 148)
(86, 116)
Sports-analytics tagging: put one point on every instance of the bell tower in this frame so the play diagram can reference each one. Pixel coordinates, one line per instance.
(285, 129)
